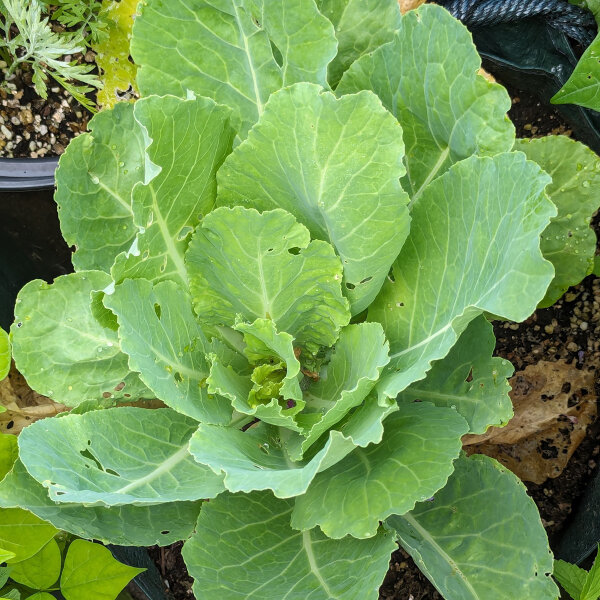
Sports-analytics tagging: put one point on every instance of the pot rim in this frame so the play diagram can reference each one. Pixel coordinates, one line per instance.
(27, 174)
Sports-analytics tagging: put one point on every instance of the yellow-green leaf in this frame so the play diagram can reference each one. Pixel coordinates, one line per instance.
(41, 570)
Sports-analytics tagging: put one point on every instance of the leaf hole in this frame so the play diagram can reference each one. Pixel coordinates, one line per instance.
(350, 286)
(165, 532)
(106, 395)
(391, 275)
(184, 232)
(178, 377)
(469, 376)
(366, 280)
(145, 254)
(158, 310)
(119, 386)
(111, 472)
(87, 454)
(295, 251)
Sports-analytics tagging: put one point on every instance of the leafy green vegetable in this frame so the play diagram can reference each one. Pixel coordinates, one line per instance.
(263, 257)
(22, 533)
(41, 570)
(569, 242)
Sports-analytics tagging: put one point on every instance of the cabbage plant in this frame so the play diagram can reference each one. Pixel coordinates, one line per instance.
(286, 254)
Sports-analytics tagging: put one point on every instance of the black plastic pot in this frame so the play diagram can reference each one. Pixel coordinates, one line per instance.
(26, 174)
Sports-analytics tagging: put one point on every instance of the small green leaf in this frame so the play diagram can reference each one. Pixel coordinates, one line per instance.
(153, 464)
(583, 86)
(591, 588)
(41, 570)
(335, 165)
(412, 462)
(569, 242)
(42, 596)
(480, 537)
(4, 354)
(6, 555)
(22, 533)
(264, 266)
(248, 540)
(90, 571)
(9, 451)
(469, 380)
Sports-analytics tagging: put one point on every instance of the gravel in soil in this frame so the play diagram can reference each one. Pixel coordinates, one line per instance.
(30, 126)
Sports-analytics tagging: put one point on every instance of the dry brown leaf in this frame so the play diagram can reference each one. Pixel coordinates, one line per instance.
(554, 402)
(23, 405)
(406, 5)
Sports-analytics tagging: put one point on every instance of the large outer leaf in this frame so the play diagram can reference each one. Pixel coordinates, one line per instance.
(244, 547)
(569, 242)
(152, 464)
(360, 26)
(334, 164)
(245, 263)
(473, 247)
(93, 188)
(128, 525)
(222, 49)
(480, 537)
(60, 347)
(412, 462)
(188, 140)
(359, 356)
(4, 354)
(469, 380)
(41, 570)
(427, 77)
(159, 332)
(583, 86)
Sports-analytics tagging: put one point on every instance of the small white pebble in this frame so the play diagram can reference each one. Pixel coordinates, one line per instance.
(15, 121)
(5, 131)
(55, 90)
(43, 129)
(583, 326)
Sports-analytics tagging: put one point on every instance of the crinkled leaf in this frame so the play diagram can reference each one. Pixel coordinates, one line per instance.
(223, 49)
(112, 51)
(335, 165)
(469, 380)
(583, 86)
(360, 355)
(4, 354)
(427, 77)
(22, 533)
(360, 27)
(243, 263)
(275, 350)
(153, 464)
(41, 570)
(473, 247)
(90, 571)
(413, 461)
(128, 525)
(93, 188)
(569, 242)
(187, 141)
(248, 541)
(165, 343)
(62, 350)
(480, 537)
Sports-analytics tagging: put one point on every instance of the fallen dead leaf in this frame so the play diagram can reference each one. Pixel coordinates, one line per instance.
(406, 5)
(554, 403)
(23, 405)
